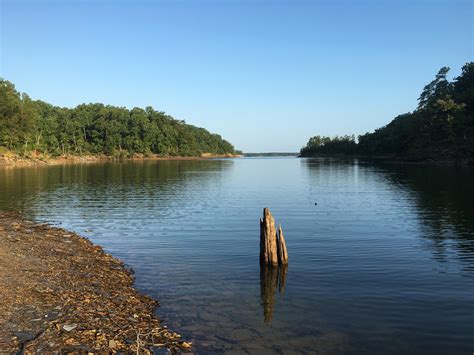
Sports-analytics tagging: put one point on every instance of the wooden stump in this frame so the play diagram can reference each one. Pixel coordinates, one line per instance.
(268, 239)
(282, 252)
(273, 263)
(272, 247)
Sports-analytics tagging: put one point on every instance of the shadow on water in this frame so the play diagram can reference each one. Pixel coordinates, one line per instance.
(443, 197)
(271, 279)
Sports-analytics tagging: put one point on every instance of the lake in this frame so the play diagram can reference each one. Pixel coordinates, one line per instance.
(383, 263)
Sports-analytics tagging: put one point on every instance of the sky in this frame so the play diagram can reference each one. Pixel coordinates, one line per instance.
(266, 75)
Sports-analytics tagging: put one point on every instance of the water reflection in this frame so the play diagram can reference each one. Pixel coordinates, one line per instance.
(87, 190)
(444, 199)
(442, 196)
(271, 279)
(363, 278)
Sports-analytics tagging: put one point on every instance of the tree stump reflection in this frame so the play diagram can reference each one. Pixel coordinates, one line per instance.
(271, 278)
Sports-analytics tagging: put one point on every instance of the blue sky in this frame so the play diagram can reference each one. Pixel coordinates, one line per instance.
(266, 75)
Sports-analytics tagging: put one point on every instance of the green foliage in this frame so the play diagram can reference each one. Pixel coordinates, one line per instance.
(438, 88)
(326, 145)
(441, 128)
(27, 125)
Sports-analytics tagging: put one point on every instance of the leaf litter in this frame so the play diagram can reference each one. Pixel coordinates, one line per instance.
(60, 293)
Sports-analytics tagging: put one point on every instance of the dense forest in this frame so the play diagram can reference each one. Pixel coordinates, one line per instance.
(441, 128)
(28, 125)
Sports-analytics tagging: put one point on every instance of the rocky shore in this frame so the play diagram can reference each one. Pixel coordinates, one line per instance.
(11, 159)
(60, 293)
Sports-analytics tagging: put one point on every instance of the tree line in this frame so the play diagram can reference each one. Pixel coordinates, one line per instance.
(33, 125)
(440, 128)
(327, 145)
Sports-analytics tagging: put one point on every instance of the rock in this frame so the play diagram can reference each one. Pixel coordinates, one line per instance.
(186, 345)
(69, 327)
(24, 335)
(113, 344)
(70, 341)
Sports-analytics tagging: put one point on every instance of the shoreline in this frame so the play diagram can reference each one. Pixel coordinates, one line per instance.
(400, 161)
(62, 293)
(14, 160)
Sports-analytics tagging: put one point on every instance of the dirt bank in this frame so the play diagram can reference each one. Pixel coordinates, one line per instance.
(11, 159)
(59, 292)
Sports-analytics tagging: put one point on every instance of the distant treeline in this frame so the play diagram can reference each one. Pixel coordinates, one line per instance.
(441, 128)
(271, 154)
(27, 125)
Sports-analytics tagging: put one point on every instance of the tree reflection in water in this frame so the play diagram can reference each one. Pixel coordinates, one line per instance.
(271, 278)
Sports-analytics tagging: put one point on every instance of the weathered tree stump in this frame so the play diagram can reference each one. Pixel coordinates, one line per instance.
(268, 239)
(272, 247)
(273, 263)
(282, 252)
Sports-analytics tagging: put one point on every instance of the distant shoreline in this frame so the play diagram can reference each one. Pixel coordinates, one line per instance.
(271, 154)
(397, 160)
(13, 160)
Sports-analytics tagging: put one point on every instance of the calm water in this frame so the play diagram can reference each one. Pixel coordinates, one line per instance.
(384, 263)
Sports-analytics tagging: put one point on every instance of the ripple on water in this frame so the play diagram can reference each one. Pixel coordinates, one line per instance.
(384, 263)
